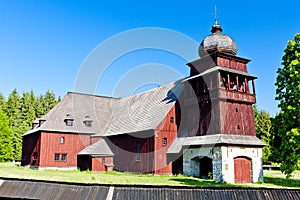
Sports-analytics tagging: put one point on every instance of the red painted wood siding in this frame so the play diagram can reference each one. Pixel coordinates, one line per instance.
(166, 129)
(95, 139)
(124, 148)
(99, 165)
(242, 170)
(231, 64)
(31, 144)
(50, 145)
(237, 118)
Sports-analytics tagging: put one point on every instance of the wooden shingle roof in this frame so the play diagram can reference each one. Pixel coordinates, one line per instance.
(111, 116)
(99, 148)
(217, 139)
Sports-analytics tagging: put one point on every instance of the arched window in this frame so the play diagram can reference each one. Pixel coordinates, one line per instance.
(164, 141)
(62, 140)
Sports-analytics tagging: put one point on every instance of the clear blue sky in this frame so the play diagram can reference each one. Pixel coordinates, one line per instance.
(43, 43)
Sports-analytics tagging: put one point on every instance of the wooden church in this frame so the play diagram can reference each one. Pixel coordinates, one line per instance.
(200, 126)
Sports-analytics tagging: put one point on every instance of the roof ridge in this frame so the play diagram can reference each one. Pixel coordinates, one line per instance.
(94, 95)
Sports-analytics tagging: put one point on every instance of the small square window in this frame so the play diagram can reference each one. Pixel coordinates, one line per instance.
(56, 156)
(69, 122)
(64, 157)
(35, 155)
(171, 119)
(88, 123)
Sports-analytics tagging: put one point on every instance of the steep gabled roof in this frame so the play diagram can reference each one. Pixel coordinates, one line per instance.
(111, 116)
(79, 108)
(143, 111)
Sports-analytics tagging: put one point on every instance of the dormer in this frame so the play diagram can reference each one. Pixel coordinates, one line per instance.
(41, 122)
(35, 123)
(87, 121)
(69, 120)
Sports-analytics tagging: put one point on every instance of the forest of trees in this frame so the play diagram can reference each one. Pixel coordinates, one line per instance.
(17, 112)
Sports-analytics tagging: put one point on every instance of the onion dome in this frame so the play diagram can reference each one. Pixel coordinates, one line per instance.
(217, 41)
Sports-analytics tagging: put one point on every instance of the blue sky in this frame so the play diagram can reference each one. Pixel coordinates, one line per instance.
(44, 43)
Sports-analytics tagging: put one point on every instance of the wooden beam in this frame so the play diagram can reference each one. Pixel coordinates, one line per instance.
(253, 87)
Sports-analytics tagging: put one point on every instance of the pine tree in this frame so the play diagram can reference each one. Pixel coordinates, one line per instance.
(3, 105)
(15, 122)
(6, 149)
(27, 109)
(21, 112)
(39, 106)
(50, 101)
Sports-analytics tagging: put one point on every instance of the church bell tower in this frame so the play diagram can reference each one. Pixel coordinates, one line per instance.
(219, 127)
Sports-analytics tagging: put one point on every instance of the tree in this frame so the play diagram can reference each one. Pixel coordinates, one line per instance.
(3, 106)
(27, 109)
(6, 149)
(44, 103)
(50, 101)
(263, 127)
(22, 111)
(15, 122)
(288, 120)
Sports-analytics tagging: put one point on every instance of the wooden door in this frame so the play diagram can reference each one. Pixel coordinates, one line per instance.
(242, 170)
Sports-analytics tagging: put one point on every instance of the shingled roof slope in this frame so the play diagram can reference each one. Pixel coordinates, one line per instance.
(99, 148)
(111, 116)
(143, 111)
(78, 107)
(216, 139)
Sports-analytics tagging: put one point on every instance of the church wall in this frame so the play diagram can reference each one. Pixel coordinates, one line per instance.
(125, 149)
(167, 130)
(223, 161)
(191, 156)
(237, 118)
(50, 145)
(94, 139)
(229, 153)
(31, 144)
(99, 163)
(213, 121)
(231, 64)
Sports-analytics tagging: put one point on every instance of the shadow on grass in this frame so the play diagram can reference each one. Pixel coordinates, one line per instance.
(283, 182)
(201, 182)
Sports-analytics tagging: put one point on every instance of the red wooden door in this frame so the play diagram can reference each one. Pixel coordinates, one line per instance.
(242, 170)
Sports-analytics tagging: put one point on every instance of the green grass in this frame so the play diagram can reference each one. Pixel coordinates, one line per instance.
(11, 170)
(276, 178)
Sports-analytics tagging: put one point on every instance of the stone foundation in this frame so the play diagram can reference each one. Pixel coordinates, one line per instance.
(222, 161)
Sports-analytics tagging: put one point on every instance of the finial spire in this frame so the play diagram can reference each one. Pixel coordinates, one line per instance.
(216, 27)
(216, 15)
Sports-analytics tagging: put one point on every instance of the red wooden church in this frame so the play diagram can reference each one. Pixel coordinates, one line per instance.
(197, 126)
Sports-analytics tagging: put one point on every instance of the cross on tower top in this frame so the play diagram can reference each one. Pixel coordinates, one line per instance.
(216, 15)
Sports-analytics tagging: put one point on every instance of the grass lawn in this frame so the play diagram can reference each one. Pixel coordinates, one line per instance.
(11, 170)
(276, 178)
